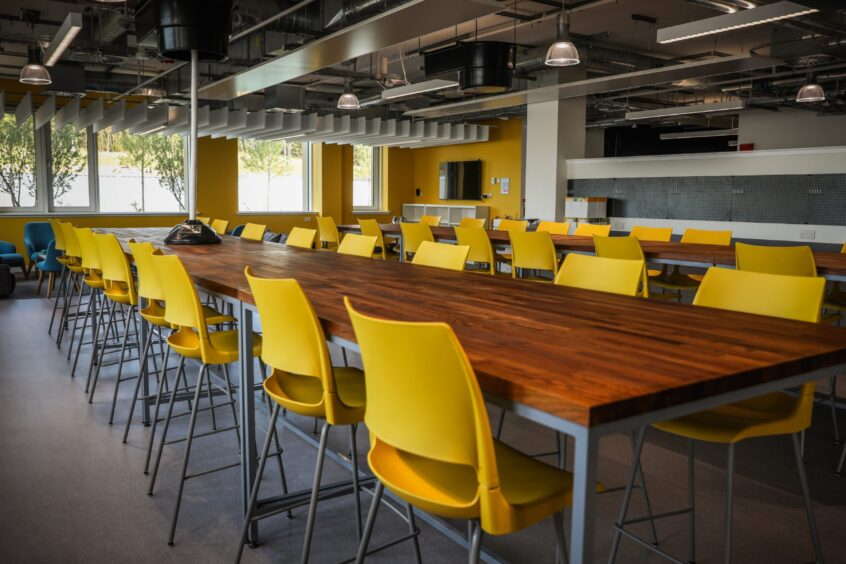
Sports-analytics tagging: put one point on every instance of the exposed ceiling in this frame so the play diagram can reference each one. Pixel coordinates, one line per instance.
(115, 58)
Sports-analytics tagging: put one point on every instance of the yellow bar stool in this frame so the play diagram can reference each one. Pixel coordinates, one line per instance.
(481, 251)
(591, 229)
(532, 250)
(412, 235)
(430, 438)
(441, 255)
(371, 228)
(357, 245)
(73, 258)
(303, 381)
(790, 297)
(677, 281)
(554, 227)
(64, 260)
(301, 237)
(220, 226)
(193, 340)
(253, 231)
(431, 220)
(92, 279)
(328, 232)
(472, 222)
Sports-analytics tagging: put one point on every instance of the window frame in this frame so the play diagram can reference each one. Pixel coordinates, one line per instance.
(308, 182)
(93, 184)
(40, 206)
(375, 181)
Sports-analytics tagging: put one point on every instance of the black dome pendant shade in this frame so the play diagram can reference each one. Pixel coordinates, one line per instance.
(185, 25)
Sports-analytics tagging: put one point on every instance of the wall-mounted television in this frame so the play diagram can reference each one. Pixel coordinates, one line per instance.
(460, 180)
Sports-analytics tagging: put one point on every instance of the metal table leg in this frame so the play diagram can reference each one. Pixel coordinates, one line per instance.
(584, 497)
(246, 404)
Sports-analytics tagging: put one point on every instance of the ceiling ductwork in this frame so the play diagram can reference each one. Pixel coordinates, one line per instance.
(483, 67)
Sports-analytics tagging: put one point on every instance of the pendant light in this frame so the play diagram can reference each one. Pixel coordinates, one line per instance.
(348, 100)
(34, 72)
(810, 92)
(562, 53)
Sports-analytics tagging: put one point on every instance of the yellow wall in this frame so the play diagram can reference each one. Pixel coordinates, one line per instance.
(501, 157)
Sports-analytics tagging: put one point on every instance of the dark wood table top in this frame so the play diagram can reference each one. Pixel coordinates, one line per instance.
(827, 263)
(587, 357)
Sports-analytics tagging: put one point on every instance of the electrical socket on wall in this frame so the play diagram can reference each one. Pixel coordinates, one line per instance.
(807, 234)
(618, 226)
(307, 218)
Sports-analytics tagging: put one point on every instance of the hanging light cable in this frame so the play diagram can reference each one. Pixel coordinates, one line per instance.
(348, 100)
(562, 53)
(810, 92)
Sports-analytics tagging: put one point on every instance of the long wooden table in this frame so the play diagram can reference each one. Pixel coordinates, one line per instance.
(830, 265)
(584, 363)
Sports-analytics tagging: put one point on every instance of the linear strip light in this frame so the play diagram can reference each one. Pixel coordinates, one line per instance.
(698, 134)
(64, 36)
(687, 110)
(745, 18)
(417, 88)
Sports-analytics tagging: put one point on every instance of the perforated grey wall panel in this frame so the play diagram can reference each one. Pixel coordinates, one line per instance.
(769, 199)
(706, 198)
(591, 187)
(826, 199)
(641, 197)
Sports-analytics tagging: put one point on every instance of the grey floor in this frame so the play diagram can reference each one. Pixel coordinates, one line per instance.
(70, 491)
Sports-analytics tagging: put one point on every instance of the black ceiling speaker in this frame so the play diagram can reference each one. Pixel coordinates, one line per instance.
(183, 25)
(483, 67)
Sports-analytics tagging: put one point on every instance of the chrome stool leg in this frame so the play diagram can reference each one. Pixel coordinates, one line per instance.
(806, 494)
(371, 520)
(315, 491)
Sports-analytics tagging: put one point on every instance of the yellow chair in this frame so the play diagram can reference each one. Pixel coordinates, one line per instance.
(119, 289)
(626, 248)
(611, 275)
(205, 220)
(472, 222)
(358, 245)
(93, 279)
(303, 381)
(509, 225)
(73, 262)
(679, 282)
(412, 235)
(254, 231)
(660, 234)
(533, 250)
(61, 246)
(431, 220)
(481, 250)
(193, 340)
(150, 289)
(790, 297)
(371, 228)
(431, 442)
(554, 227)
(441, 255)
(591, 229)
(792, 261)
(328, 232)
(220, 226)
(301, 237)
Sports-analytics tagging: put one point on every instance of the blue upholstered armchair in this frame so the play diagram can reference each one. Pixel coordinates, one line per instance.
(37, 235)
(9, 255)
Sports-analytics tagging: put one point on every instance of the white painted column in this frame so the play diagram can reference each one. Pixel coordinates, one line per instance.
(555, 132)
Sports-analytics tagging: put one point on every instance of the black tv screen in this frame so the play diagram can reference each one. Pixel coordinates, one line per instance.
(460, 180)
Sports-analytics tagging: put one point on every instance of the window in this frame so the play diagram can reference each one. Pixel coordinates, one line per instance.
(69, 167)
(17, 164)
(367, 185)
(141, 173)
(273, 176)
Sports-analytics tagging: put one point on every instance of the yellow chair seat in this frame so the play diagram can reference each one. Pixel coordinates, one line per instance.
(93, 281)
(533, 489)
(304, 394)
(772, 414)
(119, 293)
(224, 345)
(653, 272)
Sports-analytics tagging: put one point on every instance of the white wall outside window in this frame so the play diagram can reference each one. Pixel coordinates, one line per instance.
(367, 178)
(273, 176)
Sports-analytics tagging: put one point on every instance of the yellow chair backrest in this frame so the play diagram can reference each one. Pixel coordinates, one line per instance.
(116, 272)
(481, 250)
(58, 234)
(431, 220)
(328, 230)
(183, 304)
(843, 250)
(472, 222)
(776, 295)
(512, 225)
(534, 250)
(554, 227)
(357, 245)
(626, 248)
(413, 234)
(254, 231)
(205, 220)
(301, 237)
(642, 233)
(72, 248)
(441, 255)
(371, 228)
(90, 256)
(707, 237)
(612, 275)
(791, 261)
(591, 229)
(220, 226)
(435, 410)
(149, 285)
